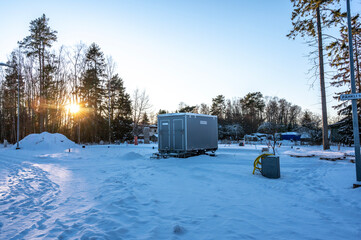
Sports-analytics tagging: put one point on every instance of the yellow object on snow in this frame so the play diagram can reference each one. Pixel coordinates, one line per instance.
(257, 163)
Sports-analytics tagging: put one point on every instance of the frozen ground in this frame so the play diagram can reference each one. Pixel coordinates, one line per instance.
(120, 193)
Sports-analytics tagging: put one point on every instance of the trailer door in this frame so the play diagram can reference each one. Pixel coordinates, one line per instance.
(164, 135)
(178, 134)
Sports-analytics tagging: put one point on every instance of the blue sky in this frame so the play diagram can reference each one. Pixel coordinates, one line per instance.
(186, 51)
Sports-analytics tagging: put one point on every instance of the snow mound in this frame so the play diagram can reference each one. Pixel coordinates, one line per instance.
(312, 153)
(132, 156)
(46, 141)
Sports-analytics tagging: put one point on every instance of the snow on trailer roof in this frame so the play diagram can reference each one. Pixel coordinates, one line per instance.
(187, 114)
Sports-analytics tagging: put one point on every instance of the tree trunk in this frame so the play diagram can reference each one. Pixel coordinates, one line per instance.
(322, 84)
(14, 119)
(109, 125)
(41, 115)
(45, 92)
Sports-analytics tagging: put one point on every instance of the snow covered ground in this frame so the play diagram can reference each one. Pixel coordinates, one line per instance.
(120, 193)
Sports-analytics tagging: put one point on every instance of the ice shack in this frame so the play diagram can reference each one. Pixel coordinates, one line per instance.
(187, 133)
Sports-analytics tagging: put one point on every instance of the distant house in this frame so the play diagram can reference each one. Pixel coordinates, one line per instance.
(255, 137)
(153, 133)
(305, 137)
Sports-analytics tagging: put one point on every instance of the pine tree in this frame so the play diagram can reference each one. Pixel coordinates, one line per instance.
(306, 120)
(145, 119)
(120, 110)
(91, 92)
(188, 109)
(36, 44)
(339, 53)
(51, 94)
(161, 111)
(252, 108)
(310, 124)
(308, 18)
(218, 107)
(119, 100)
(10, 91)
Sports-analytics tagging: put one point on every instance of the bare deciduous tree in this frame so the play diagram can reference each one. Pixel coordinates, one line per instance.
(204, 109)
(141, 105)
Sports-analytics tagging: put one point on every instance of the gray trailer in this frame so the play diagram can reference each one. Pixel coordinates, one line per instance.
(187, 133)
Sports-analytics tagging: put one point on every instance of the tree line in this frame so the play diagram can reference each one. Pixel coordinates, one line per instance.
(246, 115)
(50, 80)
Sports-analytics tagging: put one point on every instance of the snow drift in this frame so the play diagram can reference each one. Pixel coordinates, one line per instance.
(46, 141)
(133, 156)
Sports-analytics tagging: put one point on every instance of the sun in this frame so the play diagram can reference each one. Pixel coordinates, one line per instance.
(72, 108)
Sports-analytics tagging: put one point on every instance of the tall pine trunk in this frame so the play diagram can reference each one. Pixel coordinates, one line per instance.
(109, 125)
(45, 92)
(41, 101)
(322, 84)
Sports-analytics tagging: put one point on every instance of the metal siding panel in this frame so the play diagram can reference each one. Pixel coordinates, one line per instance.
(164, 135)
(178, 134)
(202, 132)
(186, 133)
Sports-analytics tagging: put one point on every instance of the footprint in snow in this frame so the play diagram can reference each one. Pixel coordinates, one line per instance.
(178, 230)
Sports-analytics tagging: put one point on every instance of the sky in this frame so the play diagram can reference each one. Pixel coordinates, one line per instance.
(183, 51)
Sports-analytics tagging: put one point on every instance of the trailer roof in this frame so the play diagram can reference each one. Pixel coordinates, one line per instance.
(187, 114)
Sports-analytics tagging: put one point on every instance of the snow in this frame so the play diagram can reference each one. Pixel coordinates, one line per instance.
(290, 133)
(187, 114)
(305, 135)
(46, 142)
(121, 193)
(306, 152)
